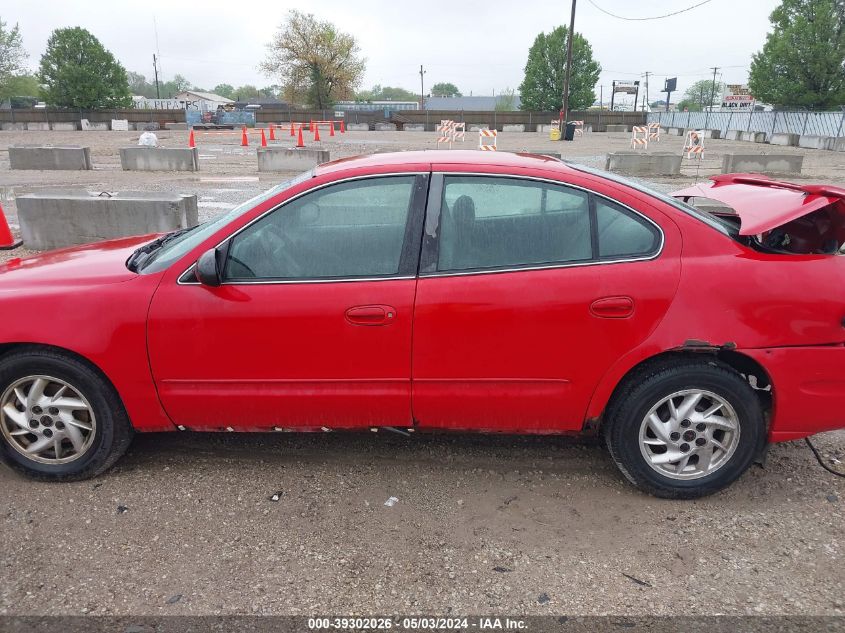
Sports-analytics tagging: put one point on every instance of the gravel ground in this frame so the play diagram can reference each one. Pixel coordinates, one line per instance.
(186, 525)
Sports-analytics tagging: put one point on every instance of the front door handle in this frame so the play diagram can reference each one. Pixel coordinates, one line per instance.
(612, 307)
(371, 315)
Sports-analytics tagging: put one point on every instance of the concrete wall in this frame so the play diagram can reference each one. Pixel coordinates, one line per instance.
(144, 158)
(65, 158)
(639, 164)
(64, 127)
(712, 133)
(618, 128)
(839, 144)
(150, 126)
(753, 137)
(676, 131)
(782, 138)
(175, 126)
(815, 142)
(65, 218)
(414, 127)
(733, 135)
(39, 127)
(290, 159)
(517, 127)
(385, 127)
(12, 127)
(762, 163)
(357, 127)
(119, 125)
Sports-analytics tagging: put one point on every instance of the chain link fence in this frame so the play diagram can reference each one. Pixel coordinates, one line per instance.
(801, 123)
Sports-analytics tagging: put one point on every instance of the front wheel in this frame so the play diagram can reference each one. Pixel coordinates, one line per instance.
(59, 419)
(685, 429)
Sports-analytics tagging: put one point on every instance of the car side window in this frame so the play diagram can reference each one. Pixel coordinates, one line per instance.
(493, 222)
(622, 233)
(351, 229)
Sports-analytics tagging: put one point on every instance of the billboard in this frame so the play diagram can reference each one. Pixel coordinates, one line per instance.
(737, 96)
(628, 87)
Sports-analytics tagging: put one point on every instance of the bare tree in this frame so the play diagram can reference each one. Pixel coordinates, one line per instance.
(315, 62)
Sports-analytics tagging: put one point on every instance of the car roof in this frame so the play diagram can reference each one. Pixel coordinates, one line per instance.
(464, 158)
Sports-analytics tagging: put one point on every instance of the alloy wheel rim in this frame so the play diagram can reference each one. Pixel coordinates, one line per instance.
(47, 420)
(689, 434)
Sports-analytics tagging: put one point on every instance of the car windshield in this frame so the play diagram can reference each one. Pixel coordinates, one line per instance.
(183, 242)
(723, 226)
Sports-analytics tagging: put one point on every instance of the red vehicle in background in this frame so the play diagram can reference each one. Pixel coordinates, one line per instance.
(445, 291)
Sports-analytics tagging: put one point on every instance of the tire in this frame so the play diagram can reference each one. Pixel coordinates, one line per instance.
(644, 447)
(88, 428)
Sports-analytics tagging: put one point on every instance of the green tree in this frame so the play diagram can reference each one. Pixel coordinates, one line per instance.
(445, 89)
(315, 62)
(12, 57)
(506, 101)
(542, 88)
(801, 62)
(386, 93)
(78, 72)
(701, 92)
(224, 90)
(689, 105)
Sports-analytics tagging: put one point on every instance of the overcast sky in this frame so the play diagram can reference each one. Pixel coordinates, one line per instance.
(479, 46)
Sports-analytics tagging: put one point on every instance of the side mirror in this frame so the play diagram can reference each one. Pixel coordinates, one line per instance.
(208, 270)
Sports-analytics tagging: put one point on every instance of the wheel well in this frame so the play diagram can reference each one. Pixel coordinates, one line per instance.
(745, 366)
(9, 348)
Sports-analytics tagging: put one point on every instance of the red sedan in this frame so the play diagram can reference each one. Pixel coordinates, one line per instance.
(445, 291)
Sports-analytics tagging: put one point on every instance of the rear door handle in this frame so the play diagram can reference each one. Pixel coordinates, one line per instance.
(371, 315)
(612, 307)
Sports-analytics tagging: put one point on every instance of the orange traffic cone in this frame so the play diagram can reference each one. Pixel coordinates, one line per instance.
(263, 138)
(316, 133)
(311, 126)
(331, 127)
(244, 138)
(299, 142)
(7, 242)
(293, 129)
(272, 132)
(191, 141)
(342, 127)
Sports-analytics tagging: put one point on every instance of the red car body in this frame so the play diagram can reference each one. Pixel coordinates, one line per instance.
(532, 350)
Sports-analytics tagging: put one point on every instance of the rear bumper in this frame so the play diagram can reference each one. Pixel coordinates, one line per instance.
(808, 388)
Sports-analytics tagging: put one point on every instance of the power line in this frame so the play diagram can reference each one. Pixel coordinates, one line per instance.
(656, 17)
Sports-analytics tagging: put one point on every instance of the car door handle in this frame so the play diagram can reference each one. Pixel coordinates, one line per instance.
(371, 315)
(612, 307)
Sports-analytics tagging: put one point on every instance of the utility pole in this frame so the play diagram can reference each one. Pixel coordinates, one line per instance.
(645, 94)
(422, 91)
(155, 70)
(601, 97)
(568, 73)
(712, 94)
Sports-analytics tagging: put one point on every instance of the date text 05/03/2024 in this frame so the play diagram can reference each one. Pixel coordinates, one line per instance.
(417, 623)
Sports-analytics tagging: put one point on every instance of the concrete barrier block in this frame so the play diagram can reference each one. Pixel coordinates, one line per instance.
(733, 135)
(712, 133)
(12, 127)
(358, 127)
(151, 126)
(753, 137)
(811, 141)
(64, 127)
(385, 127)
(544, 128)
(474, 127)
(143, 158)
(50, 158)
(516, 127)
(642, 164)
(618, 128)
(839, 144)
(87, 126)
(414, 127)
(785, 139)
(120, 125)
(762, 163)
(175, 126)
(38, 127)
(676, 131)
(66, 218)
(290, 159)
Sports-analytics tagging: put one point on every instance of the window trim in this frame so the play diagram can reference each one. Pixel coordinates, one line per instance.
(410, 246)
(431, 242)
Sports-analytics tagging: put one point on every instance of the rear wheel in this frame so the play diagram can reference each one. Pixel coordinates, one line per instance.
(685, 429)
(59, 419)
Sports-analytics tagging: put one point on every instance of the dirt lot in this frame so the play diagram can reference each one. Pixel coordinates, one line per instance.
(185, 523)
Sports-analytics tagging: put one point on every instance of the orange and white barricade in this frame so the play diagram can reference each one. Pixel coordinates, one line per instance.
(487, 140)
(639, 137)
(579, 128)
(694, 143)
(654, 132)
(446, 132)
(459, 131)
